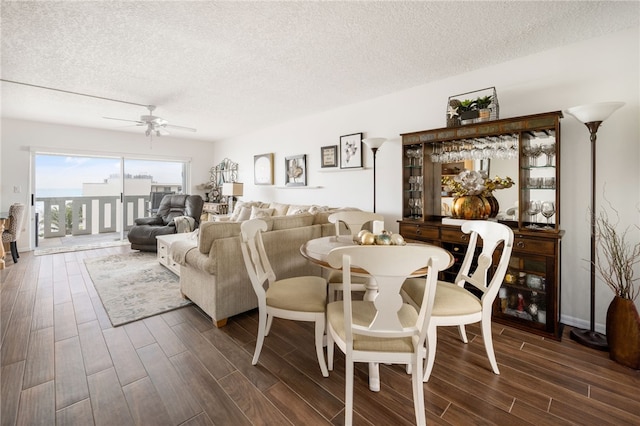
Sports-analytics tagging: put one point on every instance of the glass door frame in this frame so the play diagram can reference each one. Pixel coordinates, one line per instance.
(120, 209)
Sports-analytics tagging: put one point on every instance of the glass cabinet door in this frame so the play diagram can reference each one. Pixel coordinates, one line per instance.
(539, 180)
(412, 182)
(523, 295)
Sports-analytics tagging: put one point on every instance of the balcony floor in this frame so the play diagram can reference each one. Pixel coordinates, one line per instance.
(71, 243)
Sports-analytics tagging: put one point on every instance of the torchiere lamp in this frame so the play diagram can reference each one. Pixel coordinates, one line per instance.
(592, 116)
(231, 190)
(374, 144)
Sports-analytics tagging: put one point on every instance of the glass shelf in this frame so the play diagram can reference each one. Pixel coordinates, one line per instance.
(537, 167)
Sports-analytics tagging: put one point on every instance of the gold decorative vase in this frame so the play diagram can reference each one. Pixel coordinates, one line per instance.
(470, 207)
(495, 207)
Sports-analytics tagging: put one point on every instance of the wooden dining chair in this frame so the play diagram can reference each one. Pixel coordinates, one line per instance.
(301, 298)
(354, 221)
(385, 330)
(455, 305)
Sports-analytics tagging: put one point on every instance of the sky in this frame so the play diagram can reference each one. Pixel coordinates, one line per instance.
(70, 172)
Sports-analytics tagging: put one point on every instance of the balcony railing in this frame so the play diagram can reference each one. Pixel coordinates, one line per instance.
(61, 216)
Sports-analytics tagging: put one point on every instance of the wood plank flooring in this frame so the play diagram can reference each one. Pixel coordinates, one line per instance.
(63, 363)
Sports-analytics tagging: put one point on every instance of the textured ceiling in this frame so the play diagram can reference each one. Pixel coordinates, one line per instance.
(227, 68)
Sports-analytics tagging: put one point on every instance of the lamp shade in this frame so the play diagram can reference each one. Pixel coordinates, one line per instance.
(233, 189)
(374, 143)
(594, 112)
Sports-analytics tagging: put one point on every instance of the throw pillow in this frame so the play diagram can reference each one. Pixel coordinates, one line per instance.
(245, 214)
(318, 209)
(279, 209)
(258, 213)
(237, 209)
(297, 210)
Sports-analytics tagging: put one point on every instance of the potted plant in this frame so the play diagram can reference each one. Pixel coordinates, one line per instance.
(616, 260)
(468, 111)
(482, 104)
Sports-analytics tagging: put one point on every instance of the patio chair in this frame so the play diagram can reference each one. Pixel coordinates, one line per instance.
(13, 229)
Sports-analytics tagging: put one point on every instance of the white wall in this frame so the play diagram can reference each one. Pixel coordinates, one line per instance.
(19, 137)
(602, 69)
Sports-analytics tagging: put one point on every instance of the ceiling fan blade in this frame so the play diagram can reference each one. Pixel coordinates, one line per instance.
(139, 123)
(172, 126)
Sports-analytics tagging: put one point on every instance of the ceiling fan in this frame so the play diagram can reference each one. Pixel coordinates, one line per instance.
(155, 126)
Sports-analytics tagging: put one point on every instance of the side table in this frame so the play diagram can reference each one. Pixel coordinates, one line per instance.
(214, 209)
(164, 250)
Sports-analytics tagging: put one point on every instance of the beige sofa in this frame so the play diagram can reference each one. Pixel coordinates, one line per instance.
(213, 274)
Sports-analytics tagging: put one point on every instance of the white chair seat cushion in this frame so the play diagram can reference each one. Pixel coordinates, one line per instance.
(303, 294)
(363, 314)
(450, 299)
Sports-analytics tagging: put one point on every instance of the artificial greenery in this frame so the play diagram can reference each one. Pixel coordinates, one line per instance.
(478, 103)
(483, 102)
(467, 105)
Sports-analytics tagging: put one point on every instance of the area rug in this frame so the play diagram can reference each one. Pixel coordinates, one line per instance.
(133, 286)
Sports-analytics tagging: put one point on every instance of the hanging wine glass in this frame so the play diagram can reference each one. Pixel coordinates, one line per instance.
(513, 146)
(548, 209)
(435, 153)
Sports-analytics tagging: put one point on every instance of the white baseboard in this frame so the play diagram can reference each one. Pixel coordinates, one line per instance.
(580, 323)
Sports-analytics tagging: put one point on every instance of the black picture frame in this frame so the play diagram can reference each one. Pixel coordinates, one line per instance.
(351, 151)
(329, 156)
(295, 170)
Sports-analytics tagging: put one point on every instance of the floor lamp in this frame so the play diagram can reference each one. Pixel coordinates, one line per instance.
(592, 116)
(374, 144)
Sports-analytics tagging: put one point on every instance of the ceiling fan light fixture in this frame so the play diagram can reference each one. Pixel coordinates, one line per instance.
(154, 125)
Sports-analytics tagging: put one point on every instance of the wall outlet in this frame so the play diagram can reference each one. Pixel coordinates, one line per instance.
(17, 189)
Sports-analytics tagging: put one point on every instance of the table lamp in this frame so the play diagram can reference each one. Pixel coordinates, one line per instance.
(231, 190)
(592, 116)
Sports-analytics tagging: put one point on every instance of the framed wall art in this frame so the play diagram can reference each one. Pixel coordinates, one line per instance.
(296, 170)
(351, 151)
(263, 169)
(329, 156)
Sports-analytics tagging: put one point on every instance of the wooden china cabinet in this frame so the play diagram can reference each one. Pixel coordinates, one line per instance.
(526, 149)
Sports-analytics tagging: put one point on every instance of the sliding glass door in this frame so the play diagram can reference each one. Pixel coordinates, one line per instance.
(145, 184)
(85, 201)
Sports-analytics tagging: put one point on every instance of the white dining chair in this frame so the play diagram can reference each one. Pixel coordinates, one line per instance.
(385, 330)
(301, 298)
(354, 221)
(455, 305)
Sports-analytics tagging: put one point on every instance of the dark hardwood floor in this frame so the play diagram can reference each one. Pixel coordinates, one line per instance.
(63, 363)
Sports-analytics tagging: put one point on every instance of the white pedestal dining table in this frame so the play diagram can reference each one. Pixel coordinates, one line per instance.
(317, 251)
